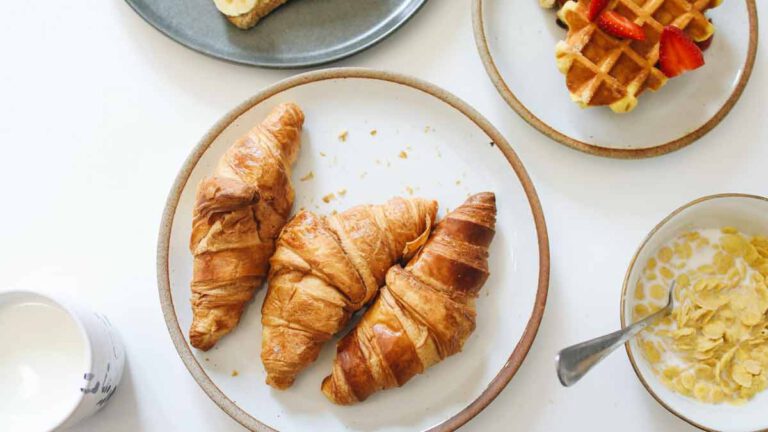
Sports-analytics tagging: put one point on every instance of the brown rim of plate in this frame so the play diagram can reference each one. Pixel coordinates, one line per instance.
(676, 144)
(624, 294)
(177, 335)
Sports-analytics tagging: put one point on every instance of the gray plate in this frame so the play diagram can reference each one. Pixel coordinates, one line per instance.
(300, 33)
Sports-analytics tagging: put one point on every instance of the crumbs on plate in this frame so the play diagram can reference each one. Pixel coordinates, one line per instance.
(343, 135)
(310, 175)
(328, 198)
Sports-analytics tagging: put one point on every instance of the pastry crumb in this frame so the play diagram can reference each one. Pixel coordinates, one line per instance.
(343, 135)
(310, 175)
(342, 192)
(334, 212)
(322, 154)
(403, 154)
(374, 132)
(328, 198)
(207, 359)
(235, 373)
(378, 162)
(409, 190)
(458, 182)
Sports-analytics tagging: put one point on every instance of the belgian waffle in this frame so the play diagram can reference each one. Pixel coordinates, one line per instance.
(603, 70)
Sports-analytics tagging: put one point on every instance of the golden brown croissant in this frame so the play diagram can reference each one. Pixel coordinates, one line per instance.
(426, 311)
(238, 213)
(325, 269)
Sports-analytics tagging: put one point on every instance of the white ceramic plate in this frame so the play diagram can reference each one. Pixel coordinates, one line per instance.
(747, 213)
(451, 152)
(516, 40)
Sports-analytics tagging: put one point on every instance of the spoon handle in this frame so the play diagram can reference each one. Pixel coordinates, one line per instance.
(575, 361)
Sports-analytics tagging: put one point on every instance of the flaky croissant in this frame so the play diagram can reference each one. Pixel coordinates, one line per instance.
(325, 269)
(238, 213)
(426, 311)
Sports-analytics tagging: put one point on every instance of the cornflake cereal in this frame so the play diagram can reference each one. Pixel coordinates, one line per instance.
(714, 345)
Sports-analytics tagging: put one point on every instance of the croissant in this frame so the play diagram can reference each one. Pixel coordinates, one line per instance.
(325, 269)
(425, 312)
(238, 213)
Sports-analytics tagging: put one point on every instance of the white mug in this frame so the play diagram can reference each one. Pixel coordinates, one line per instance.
(59, 362)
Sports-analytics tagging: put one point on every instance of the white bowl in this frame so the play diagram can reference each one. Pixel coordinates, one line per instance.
(59, 363)
(747, 213)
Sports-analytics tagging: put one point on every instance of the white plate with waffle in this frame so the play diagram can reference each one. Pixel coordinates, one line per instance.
(517, 40)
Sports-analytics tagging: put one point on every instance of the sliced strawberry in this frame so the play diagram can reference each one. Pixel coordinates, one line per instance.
(595, 7)
(678, 53)
(620, 26)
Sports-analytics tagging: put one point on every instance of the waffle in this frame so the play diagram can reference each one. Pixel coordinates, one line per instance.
(603, 70)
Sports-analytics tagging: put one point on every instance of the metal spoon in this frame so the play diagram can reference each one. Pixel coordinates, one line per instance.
(575, 361)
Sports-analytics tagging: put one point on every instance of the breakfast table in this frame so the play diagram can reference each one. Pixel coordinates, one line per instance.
(100, 111)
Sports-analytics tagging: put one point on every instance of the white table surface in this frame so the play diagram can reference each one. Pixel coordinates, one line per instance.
(99, 110)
